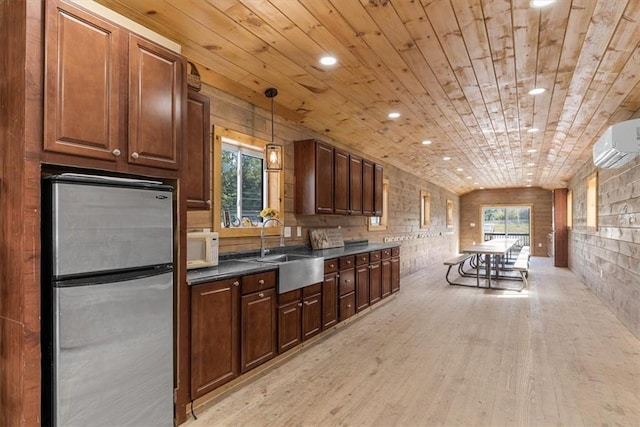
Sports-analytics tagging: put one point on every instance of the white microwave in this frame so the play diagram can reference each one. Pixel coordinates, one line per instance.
(202, 249)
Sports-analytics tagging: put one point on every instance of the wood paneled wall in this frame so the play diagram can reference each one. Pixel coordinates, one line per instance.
(539, 199)
(420, 246)
(607, 260)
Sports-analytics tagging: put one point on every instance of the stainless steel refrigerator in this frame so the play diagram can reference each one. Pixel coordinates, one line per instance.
(107, 302)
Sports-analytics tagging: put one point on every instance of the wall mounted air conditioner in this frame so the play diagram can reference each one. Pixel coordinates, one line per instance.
(618, 145)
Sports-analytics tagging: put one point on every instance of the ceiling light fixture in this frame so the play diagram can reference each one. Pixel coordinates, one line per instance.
(446, 158)
(426, 142)
(531, 150)
(541, 3)
(328, 60)
(273, 151)
(459, 169)
(533, 130)
(531, 164)
(394, 115)
(537, 91)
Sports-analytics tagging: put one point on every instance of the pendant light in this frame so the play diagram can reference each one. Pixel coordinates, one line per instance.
(273, 151)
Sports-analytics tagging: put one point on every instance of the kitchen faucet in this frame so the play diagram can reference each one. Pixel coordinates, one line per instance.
(271, 218)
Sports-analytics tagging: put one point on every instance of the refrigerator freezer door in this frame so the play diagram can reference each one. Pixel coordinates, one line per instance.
(99, 228)
(113, 353)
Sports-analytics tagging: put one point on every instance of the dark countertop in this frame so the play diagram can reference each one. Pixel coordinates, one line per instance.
(230, 265)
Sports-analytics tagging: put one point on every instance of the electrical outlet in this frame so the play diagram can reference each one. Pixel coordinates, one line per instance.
(287, 232)
(539, 245)
(299, 231)
(601, 274)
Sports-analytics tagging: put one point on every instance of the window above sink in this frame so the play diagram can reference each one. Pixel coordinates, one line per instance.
(240, 157)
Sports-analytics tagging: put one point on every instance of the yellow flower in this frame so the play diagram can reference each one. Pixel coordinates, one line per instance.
(268, 212)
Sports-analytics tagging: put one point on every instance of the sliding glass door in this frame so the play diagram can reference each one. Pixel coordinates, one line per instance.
(500, 222)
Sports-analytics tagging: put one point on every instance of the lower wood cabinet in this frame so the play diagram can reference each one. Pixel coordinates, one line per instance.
(346, 287)
(375, 277)
(258, 334)
(289, 320)
(311, 311)
(395, 269)
(330, 294)
(215, 338)
(362, 281)
(385, 272)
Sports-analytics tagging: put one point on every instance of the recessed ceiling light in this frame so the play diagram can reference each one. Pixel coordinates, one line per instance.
(468, 177)
(537, 91)
(530, 173)
(528, 185)
(328, 60)
(529, 180)
(394, 115)
(459, 169)
(445, 158)
(475, 183)
(541, 3)
(531, 164)
(482, 188)
(533, 130)
(426, 142)
(531, 150)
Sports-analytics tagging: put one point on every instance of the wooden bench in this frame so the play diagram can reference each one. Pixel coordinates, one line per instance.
(458, 261)
(522, 265)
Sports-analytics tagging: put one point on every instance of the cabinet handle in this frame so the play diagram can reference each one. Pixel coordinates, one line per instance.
(208, 202)
(261, 281)
(261, 295)
(347, 281)
(332, 265)
(348, 305)
(116, 152)
(236, 283)
(310, 302)
(135, 155)
(300, 304)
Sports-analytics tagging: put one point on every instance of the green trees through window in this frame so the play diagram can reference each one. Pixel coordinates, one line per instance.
(243, 184)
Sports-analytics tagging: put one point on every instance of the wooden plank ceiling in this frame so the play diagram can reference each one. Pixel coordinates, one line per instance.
(458, 72)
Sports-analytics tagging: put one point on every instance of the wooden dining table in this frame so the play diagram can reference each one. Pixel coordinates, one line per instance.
(495, 253)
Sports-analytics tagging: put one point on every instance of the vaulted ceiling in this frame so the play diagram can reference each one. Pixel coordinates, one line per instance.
(457, 71)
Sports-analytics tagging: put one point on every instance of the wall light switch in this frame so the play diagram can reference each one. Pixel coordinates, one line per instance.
(473, 224)
(287, 232)
(299, 231)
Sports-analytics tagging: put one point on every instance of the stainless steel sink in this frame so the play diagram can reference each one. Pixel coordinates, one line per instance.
(295, 271)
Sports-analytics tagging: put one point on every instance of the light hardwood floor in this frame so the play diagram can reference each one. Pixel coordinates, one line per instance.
(439, 355)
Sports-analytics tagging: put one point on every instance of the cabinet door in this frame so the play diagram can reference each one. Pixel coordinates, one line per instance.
(289, 323)
(324, 178)
(346, 281)
(330, 300)
(197, 173)
(375, 279)
(367, 188)
(214, 335)
(347, 306)
(355, 184)
(311, 316)
(259, 332)
(155, 104)
(82, 84)
(362, 287)
(377, 190)
(395, 274)
(341, 182)
(385, 267)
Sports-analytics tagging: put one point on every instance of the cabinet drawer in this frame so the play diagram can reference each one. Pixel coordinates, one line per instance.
(347, 306)
(330, 266)
(374, 256)
(289, 297)
(386, 253)
(258, 282)
(312, 290)
(395, 251)
(362, 259)
(346, 282)
(346, 262)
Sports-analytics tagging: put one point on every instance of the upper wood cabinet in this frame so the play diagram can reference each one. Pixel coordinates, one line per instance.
(332, 181)
(355, 184)
(82, 84)
(341, 182)
(368, 191)
(111, 96)
(155, 104)
(198, 152)
(314, 177)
